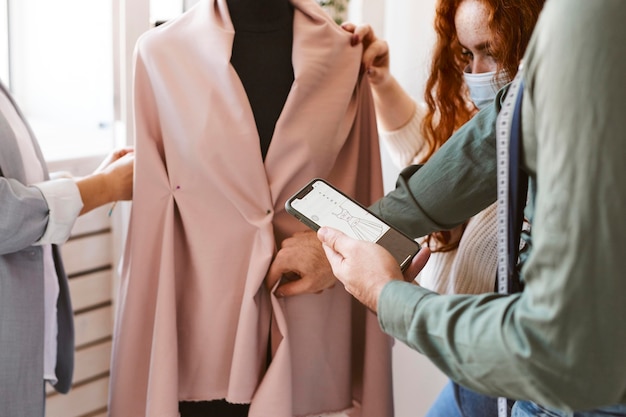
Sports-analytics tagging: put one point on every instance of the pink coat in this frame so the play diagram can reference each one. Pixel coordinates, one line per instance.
(194, 317)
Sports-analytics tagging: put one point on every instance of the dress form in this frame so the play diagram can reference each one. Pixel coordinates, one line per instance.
(208, 215)
(262, 58)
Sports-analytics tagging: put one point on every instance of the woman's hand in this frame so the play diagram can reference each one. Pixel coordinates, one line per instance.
(394, 106)
(112, 157)
(111, 181)
(119, 167)
(375, 57)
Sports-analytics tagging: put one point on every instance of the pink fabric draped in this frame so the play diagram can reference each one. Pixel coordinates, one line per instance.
(194, 318)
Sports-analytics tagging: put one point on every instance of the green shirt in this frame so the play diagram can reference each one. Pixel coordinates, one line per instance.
(562, 341)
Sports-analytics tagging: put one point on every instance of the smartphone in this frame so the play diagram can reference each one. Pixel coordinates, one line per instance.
(320, 204)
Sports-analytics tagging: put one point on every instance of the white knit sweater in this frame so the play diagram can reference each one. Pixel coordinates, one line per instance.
(470, 268)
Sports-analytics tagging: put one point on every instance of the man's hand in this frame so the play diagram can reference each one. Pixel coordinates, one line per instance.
(364, 267)
(302, 265)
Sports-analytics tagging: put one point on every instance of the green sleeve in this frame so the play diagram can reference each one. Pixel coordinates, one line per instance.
(464, 167)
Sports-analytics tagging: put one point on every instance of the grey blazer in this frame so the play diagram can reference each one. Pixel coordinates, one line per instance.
(23, 219)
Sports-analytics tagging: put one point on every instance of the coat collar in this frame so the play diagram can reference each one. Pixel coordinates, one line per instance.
(204, 109)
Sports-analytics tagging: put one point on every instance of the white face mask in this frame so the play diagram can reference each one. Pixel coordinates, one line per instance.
(482, 87)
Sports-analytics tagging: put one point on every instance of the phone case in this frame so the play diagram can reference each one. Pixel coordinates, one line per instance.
(319, 203)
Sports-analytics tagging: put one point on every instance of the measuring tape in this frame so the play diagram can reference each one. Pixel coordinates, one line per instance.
(503, 132)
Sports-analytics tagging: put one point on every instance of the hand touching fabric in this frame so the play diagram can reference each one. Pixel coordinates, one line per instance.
(111, 181)
(375, 58)
(394, 106)
(302, 265)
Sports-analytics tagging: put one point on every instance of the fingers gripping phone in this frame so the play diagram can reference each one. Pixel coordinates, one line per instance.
(320, 204)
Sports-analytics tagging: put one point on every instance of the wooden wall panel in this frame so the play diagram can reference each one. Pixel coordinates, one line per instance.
(91, 289)
(80, 401)
(92, 362)
(87, 253)
(93, 326)
(95, 221)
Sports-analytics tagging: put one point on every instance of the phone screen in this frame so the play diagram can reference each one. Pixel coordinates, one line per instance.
(319, 204)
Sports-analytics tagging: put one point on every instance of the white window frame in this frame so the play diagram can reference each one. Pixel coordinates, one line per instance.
(5, 74)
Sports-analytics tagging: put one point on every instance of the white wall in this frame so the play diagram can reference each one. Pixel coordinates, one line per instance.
(409, 31)
(408, 28)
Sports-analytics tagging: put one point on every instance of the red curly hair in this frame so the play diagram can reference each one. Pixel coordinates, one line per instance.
(448, 104)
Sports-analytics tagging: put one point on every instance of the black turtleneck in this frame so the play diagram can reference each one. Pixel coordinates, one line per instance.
(262, 58)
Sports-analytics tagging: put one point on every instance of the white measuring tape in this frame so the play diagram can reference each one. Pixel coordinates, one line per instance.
(503, 131)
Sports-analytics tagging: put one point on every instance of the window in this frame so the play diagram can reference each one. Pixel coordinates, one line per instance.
(61, 72)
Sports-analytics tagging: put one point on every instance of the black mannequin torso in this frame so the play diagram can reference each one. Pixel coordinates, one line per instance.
(262, 58)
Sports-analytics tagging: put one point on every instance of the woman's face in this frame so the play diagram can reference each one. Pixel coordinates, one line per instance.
(471, 21)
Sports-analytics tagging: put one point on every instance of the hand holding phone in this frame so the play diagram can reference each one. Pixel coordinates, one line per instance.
(320, 204)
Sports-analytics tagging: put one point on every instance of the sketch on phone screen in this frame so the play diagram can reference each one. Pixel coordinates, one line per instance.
(320, 204)
(325, 206)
